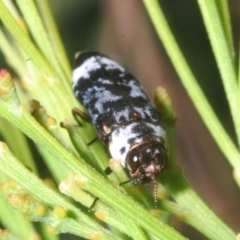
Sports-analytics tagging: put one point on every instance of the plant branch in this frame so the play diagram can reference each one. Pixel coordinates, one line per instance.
(190, 83)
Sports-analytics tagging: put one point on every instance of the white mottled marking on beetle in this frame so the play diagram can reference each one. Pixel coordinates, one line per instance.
(147, 110)
(136, 91)
(156, 151)
(103, 98)
(77, 93)
(110, 64)
(150, 168)
(85, 69)
(90, 93)
(105, 81)
(159, 131)
(139, 111)
(92, 64)
(124, 113)
(119, 139)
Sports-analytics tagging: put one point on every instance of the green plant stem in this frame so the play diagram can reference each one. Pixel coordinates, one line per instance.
(96, 184)
(42, 76)
(20, 226)
(20, 146)
(189, 82)
(42, 65)
(223, 9)
(41, 37)
(191, 208)
(12, 56)
(238, 70)
(53, 33)
(23, 40)
(197, 214)
(15, 170)
(224, 57)
(104, 213)
(135, 231)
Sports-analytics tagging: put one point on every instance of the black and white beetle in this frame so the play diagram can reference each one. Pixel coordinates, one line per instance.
(122, 114)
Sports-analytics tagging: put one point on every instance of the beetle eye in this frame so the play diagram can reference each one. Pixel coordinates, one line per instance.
(133, 160)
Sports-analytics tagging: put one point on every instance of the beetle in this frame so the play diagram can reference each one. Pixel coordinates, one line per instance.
(122, 115)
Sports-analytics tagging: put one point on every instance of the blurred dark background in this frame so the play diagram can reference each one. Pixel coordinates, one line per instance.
(122, 30)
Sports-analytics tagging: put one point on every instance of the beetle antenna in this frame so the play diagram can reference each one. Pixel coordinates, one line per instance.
(155, 192)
